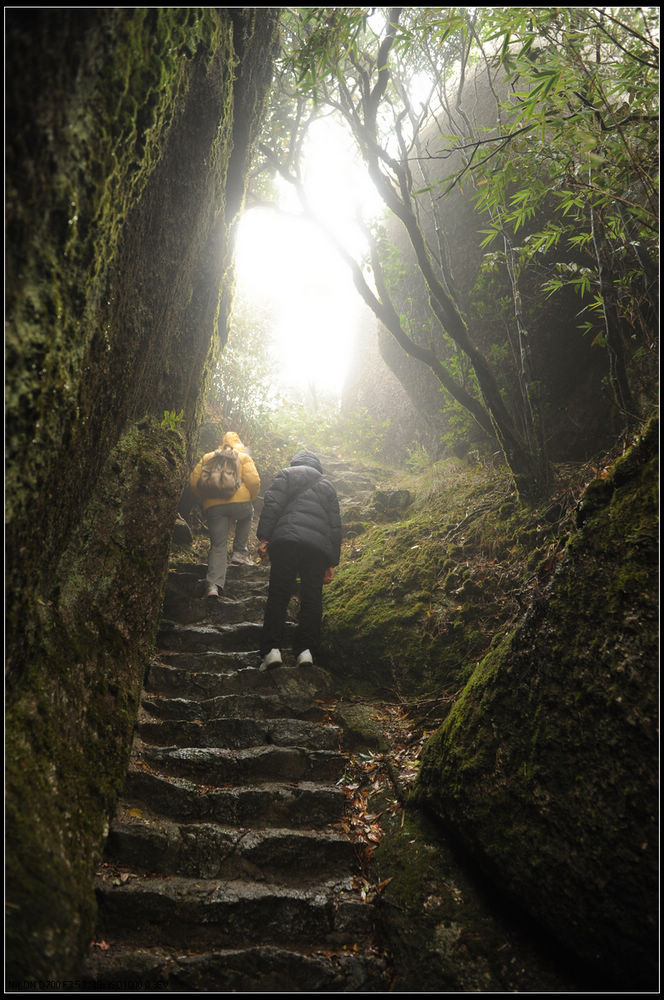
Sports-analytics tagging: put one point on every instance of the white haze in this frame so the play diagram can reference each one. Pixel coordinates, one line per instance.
(289, 266)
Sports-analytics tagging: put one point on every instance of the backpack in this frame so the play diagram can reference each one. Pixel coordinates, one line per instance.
(220, 476)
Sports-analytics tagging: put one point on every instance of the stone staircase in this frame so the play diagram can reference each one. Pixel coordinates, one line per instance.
(227, 867)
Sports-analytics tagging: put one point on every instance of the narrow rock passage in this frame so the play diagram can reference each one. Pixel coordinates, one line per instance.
(226, 867)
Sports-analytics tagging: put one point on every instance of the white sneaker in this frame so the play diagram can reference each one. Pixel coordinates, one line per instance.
(304, 657)
(271, 659)
(240, 559)
(211, 590)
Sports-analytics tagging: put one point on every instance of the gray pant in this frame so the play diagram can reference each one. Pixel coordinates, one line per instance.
(219, 520)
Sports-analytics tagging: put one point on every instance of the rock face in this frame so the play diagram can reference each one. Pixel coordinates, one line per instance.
(227, 864)
(546, 766)
(130, 132)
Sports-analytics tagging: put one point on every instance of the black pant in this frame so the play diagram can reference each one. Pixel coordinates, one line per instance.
(289, 561)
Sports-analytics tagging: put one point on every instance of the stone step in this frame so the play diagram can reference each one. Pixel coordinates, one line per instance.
(241, 589)
(285, 681)
(187, 610)
(211, 662)
(237, 733)
(276, 804)
(178, 912)
(184, 575)
(216, 766)
(349, 483)
(227, 865)
(241, 636)
(165, 681)
(255, 705)
(171, 709)
(190, 582)
(261, 704)
(261, 969)
(210, 850)
(200, 567)
(183, 581)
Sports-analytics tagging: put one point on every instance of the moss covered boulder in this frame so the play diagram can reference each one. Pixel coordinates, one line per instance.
(129, 133)
(547, 766)
(417, 601)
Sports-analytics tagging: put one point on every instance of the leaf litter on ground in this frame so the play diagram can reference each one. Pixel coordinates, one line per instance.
(386, 774)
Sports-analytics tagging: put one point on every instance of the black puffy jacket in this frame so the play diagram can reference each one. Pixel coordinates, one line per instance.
(301, 506)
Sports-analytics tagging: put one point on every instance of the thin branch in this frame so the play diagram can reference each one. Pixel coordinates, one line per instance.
(446, 153)
(376, 95)
(612, 197)
(603, 12)
(614, 41)
(616, 125)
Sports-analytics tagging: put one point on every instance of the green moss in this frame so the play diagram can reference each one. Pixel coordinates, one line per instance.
(546, 762)
(70, 719)
(119, 209)
(59, 304)
(436, 924)
(417, 605)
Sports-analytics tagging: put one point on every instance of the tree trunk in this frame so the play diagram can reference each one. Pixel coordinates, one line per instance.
(614, 345)
(524, 465)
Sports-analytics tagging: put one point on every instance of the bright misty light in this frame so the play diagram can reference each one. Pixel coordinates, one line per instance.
(292, 267)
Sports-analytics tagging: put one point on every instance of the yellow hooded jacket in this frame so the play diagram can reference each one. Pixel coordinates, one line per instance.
(250, 485)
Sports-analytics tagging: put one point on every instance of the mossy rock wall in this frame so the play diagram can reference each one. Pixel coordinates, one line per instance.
(420, 595)
(129, 134)
(546, 767)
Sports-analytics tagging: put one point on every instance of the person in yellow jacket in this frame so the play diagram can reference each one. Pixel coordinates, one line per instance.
(220, 514)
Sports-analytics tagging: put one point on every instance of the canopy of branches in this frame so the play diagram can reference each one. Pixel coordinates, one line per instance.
(562, 175)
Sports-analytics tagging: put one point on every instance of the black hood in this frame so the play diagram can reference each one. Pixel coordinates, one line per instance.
(307, 458)
(301, 477)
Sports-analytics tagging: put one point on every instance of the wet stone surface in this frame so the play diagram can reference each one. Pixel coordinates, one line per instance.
(227, 861)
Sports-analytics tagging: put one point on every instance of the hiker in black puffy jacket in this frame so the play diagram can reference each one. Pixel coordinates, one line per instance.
(300, 530)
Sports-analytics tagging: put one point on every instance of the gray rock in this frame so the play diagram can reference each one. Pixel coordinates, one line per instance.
(392, 502)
